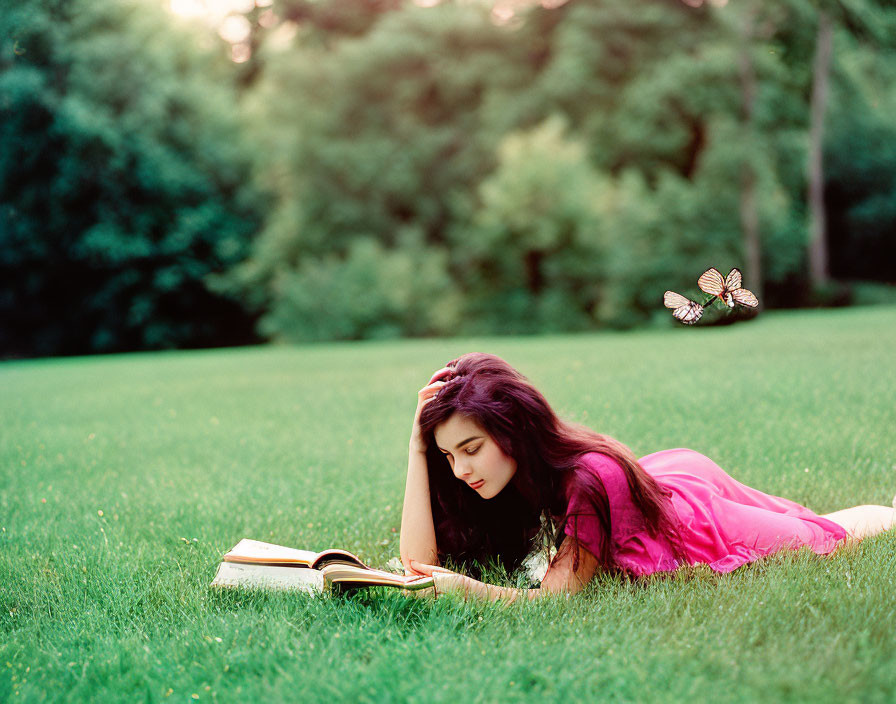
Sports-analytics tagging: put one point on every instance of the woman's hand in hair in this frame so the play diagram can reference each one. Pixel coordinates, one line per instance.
(418, 537)
(424, 396)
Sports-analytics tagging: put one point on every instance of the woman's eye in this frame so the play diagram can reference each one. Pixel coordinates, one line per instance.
(472, 451)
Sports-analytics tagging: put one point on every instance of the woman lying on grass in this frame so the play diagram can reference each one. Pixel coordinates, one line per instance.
(490, 464)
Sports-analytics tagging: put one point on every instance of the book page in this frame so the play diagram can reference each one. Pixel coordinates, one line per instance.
(260, 553)
(234, 574)
(328, 557)
(351, 575)
(255, 551)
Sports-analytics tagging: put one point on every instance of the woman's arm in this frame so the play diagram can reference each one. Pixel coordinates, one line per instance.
(417, 541)
(418, 536)
(561, 578)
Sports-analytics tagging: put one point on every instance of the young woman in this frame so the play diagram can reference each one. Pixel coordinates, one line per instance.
(492, 469)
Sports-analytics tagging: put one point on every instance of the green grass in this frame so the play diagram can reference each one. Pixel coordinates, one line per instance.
(307, 447)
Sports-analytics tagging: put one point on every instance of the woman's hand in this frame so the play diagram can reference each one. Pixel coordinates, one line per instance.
(424, 396)
(446, 581)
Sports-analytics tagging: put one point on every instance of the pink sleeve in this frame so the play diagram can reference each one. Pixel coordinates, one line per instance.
(582, 519)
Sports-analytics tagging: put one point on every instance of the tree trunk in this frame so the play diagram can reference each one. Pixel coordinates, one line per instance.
(818, 244)
(749, 213)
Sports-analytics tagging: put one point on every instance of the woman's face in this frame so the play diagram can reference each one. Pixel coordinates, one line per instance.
(474, 457)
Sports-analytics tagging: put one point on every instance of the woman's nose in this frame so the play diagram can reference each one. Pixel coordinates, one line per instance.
(461, 470)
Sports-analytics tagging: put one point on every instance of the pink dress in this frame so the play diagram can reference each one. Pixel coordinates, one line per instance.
(722, 522)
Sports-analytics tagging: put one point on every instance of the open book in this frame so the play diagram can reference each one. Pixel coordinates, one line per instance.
(254, 564)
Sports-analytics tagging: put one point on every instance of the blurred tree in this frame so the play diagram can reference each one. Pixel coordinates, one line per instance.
(818, 104)
(746, 36)
(370, 292)
(664, 234)
(685, 96)
(433, 169)
(860, 165)
(327, 22)
(860, 162)
(694, 120)
(647, 87)
(633, 82)
(533, 259)
(369, 137)
(123, 182)
(317, 23)
(807, 33)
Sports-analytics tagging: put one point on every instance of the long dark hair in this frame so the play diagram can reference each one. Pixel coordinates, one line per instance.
(547, 450)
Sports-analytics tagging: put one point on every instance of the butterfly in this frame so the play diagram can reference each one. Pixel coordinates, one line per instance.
(727, 290)
(683, 309)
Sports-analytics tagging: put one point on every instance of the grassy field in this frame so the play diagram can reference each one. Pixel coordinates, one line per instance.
(125, 478)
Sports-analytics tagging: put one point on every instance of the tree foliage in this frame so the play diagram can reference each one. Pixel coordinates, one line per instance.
(381, 168)
(532, 259)
(124, 182)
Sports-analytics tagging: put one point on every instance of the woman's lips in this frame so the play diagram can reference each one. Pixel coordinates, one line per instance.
(476, 485)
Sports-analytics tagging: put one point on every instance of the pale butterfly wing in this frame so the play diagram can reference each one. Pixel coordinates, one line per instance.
(674, 300)
(685, 310)
(711, 282)
(745, 297)
(733, 280)
(688, 314)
